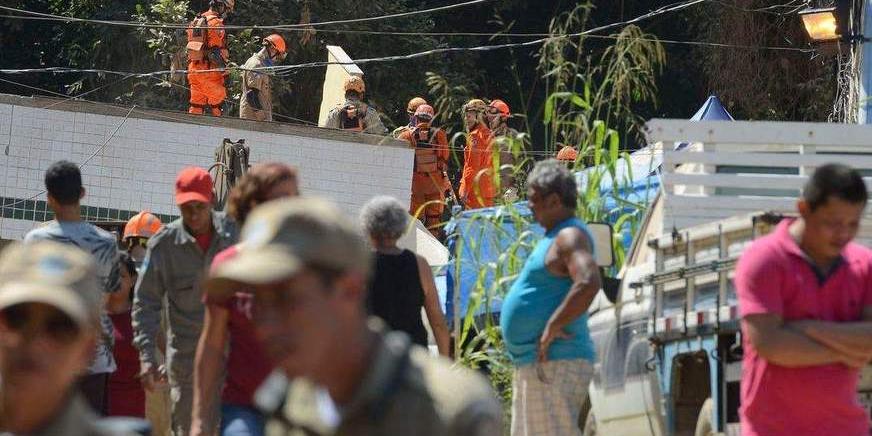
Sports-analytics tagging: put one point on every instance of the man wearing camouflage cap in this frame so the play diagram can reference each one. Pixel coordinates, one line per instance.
(307, 266)
(50, 306)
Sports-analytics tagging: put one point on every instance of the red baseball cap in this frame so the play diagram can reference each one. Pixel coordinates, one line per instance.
(193, 184)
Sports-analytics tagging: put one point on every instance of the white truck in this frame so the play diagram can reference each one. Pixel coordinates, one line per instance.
(669, 345)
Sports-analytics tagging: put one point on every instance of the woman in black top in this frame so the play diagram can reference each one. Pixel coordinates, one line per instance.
(402, 281)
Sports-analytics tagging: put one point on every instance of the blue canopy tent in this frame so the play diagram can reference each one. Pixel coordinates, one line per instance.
(484, 240)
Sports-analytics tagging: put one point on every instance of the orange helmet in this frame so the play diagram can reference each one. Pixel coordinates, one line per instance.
(567, 153)
(355, 83)
(142, 225)
(425, 112)
(276, 41)
(229, 4)
(414, 104)
(501, 107)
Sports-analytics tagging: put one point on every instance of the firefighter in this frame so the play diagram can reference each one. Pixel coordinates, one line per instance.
(256, 101)
(354, 114)
(207, 51)
(505, 138)
(477, 183)
(138, 230)
(431, 162)
(413, 105)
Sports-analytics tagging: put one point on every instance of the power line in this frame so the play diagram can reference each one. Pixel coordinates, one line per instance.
(85, 162)
(55, 17)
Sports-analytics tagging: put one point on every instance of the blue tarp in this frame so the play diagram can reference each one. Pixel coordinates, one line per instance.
(483, 235)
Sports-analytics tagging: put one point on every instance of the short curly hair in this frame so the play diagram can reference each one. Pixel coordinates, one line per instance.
(551, 177)
(383, 217)
(252, 189)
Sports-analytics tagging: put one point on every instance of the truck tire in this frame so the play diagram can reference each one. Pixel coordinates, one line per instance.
(589, 425)
(704, 425)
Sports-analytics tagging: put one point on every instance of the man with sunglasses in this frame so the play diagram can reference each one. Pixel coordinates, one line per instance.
(64, 192)
(50, 310)
(174, 264)
(138, 230)
(307, 266)
(544, 315)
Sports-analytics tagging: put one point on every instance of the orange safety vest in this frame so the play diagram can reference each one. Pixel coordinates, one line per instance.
(199, 42)
(426, 152)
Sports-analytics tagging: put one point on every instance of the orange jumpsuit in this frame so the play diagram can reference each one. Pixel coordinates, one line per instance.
(428, 178)
(477, 188)
(207, 89)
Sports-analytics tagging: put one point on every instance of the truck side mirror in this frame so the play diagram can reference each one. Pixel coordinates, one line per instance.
(602, 243)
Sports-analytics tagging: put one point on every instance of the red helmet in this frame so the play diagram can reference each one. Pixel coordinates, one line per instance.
(276, 41)
(567, 153)
(142, 225)
(501, 107)
(425, 112)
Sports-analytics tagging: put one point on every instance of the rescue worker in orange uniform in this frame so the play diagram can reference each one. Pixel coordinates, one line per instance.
(410, 109)
(505, 139)
(207, 50)
(431, 162)
(256, 103)
(477, 187)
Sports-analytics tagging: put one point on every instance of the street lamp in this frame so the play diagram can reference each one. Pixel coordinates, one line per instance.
(821, 24)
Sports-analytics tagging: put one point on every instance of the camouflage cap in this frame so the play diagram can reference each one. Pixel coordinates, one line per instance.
(56, 274)
(282, 236)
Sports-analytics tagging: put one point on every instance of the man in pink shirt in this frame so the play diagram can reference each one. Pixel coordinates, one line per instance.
(805, 296)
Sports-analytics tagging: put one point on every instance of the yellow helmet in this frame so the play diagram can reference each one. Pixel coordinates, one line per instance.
(355, 83)
(475, 105)
(414, 103)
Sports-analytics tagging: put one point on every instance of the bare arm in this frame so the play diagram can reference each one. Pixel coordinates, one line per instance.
(574, 251)
(849, 338)
(782, 345)
(431, 306)
(208, 364)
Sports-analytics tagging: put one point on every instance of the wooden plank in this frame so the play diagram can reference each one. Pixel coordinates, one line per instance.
(758, 132)
(779, 160)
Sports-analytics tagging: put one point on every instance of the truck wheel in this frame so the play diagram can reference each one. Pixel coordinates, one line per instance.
(704, 425)
(589, 425)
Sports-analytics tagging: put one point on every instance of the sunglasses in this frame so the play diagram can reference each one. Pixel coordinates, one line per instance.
(32, 320)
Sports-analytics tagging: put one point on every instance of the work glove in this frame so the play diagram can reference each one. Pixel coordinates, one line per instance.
(253, 98)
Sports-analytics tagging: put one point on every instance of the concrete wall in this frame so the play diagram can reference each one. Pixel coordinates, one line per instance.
(136, 169)
(334, 79)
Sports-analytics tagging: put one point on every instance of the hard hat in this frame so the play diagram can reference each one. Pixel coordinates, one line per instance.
(276, 41)
(414, 104)
(355, 83)
(229, 4)
(476, 105)
(567, 153)
(425, 112)
(142, 225)
(502, 107)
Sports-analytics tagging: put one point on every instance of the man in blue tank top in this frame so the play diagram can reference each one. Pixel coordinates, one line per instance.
(544, 319)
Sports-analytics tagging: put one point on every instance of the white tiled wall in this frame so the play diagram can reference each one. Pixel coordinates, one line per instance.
(137, 167)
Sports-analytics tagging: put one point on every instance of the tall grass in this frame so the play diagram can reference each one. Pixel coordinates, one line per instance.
(590, 102)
